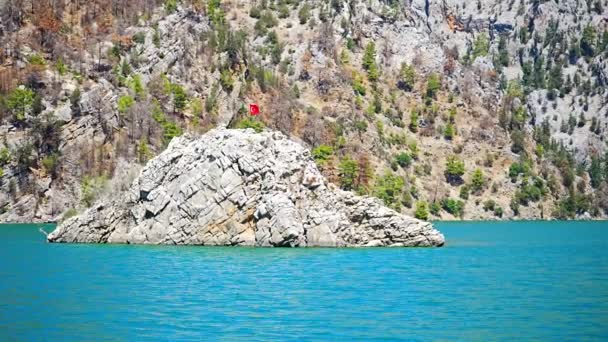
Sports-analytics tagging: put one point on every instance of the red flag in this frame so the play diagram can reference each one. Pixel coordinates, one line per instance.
(254, 109)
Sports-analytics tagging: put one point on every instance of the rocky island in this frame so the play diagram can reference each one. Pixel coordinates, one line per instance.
(239, 187)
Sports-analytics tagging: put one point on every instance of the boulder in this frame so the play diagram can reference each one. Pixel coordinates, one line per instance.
(238, 187)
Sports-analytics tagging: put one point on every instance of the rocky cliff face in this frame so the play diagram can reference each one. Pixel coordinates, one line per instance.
(406, 90)
(236, 187)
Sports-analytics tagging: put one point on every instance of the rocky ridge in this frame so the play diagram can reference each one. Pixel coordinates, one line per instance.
(237, 187)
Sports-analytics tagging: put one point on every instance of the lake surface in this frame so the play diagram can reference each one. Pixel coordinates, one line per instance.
(492, 281)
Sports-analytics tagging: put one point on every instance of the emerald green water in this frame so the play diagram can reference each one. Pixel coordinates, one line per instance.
(492, 281)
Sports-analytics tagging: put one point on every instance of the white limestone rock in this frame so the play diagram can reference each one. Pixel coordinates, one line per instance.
(237, 187)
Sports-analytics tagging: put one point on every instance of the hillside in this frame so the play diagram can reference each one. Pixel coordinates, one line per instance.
(493, 110)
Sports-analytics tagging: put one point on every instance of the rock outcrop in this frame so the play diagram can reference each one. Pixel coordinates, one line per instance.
(238, 187)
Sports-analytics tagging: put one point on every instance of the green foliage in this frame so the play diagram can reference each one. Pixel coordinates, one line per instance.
(255, 12)
(518, 138)
(304, 13)
(595, 171)
(389, 189)
(322, 153)
(413, 121)
(588, 41)
(454, 170)
(125, 103)
(5, 156)
(139, 38)
(369, 62)
(170, 6)
(170, 129)
(36, 59)
(478, 181)
(481, 47)
(344, 57)
(422, 210)
(156, 37)
(452, 206)
(256, 125)
(143, 151)
(196, 107)
(489, 205)
(215, 12)
(403, 159)
(61, 67)
(407, 77)
(226, 80)
(361, 126)
(449, 131)
(519, 168)
(50, 164)
(136, 85)
(530, 192)
(266, 21)
(19, 102)
(348, 170)
(180, 99)
(503, 53)
(433, 84)
(435, 208)
(464, 192)
(75, 102)
(91, 188)
(358, 86)
(572, 205)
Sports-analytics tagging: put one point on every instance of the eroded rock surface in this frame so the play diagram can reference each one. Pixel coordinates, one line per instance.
(237, 187)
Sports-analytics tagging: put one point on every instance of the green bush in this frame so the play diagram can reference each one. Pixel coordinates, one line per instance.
(454, 207)
(464, 192)
(435, 208)
(519, 168)
(389, 189)
(358, 86)
(180, 99)
(36, 59)
(403, 159)
(5, 156)
(407, 79)
(304, 13)
(322, 153)
(433, 84)
(19, 102)
(170, 6)
(139, 38)
(422, 211)
(255, 12)
(454, 170)
(348, 170)
(489, 205)
(449, 131)
(125, 103)
(481, 47)
(414, 121)
(478, 181)
(226, 80)
(256, 125)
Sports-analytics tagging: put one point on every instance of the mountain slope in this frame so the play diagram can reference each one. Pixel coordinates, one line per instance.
(490, 110)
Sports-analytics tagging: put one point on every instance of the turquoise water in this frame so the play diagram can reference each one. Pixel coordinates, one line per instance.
(492, 281)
